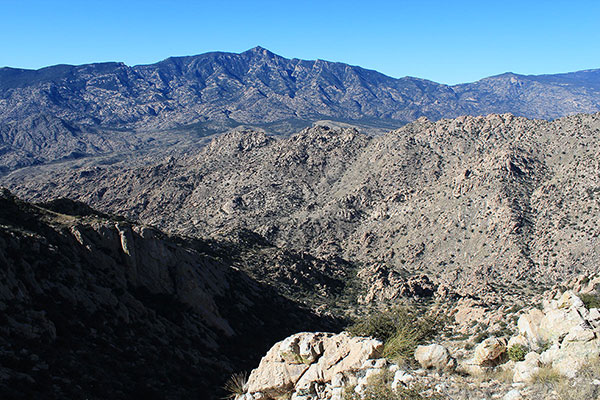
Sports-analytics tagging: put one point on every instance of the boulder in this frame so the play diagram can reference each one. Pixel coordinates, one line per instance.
(514, 394)
(528, 326)
(435, 356)
(526, 370)
(489, 352)
(306, 365)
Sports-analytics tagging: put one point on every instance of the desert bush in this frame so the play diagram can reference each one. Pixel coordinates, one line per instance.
(590, 300)
(517, 352)
(547, 375)
(401, 329)
(414, 331)
(380, 325)
(236, 385)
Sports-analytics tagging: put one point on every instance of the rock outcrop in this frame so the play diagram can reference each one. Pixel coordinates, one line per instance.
(565, 332)
(435, 356)
(314, 365)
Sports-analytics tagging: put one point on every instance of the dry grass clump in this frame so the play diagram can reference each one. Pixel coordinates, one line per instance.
(237, 384)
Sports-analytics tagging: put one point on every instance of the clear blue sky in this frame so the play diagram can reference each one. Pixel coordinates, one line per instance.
(445, 41)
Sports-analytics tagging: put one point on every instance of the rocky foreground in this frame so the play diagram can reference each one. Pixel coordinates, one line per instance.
(553, 352)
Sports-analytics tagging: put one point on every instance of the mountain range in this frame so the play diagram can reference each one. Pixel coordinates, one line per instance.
(68, 112)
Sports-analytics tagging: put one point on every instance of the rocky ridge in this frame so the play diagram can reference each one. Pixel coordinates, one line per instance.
(477, 204)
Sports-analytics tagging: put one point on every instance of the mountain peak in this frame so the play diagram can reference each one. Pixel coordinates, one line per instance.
(259, 51)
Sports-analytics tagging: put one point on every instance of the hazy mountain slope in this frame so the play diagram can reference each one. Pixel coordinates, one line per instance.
(95, 307)
(63, 110)
(473, 201)
(542, 96)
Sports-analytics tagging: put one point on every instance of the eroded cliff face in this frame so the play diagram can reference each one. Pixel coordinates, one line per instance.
(97, 307)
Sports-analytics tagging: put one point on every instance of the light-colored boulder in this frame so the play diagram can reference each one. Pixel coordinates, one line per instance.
(434, 356)
(302, 348)
(551, 354)
(569, 300)
(580, 333)
(528, 326)
(377, 363)
(514, 394)
(517, 340)
(307, 365)
(526, 370)
(401, 379)
(557, 323)
(568, 365)
(572, 356)
(275, 378)
(488, 353)
(346, 353)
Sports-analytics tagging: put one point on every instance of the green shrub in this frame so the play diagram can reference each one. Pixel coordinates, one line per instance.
(401, 329)
(414, 330)
(590, 300)
(380, 325)
(517, 352)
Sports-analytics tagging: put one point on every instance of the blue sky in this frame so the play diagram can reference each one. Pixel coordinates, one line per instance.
(445, 41)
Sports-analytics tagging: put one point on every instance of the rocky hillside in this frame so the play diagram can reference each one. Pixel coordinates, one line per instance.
(93, 306)
(67, 111)
(496, 203)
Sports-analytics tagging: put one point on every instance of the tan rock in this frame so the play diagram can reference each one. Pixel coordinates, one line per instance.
(434, 356)
(580, 333)
(526, 371)
(305, 363)
(489, 352)
(517, 340)
(302, 348)
(528, 326)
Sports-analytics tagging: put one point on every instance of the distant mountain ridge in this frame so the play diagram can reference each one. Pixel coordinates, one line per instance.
(74, 111)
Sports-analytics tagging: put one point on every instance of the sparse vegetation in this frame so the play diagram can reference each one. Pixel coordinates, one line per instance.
(402, 329)
(517, 352)
(380, 388)
(590, 300)
(544, 346)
